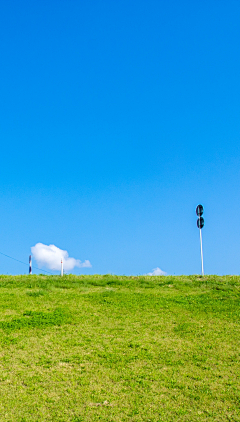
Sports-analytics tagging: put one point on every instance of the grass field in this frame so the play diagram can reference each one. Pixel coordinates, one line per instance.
(108, 348)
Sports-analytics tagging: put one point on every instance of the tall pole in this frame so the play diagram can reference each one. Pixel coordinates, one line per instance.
(200, 224)
(201, 250)
(61, 267)
(30, 264)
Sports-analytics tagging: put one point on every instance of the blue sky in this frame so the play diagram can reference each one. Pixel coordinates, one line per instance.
(117, 119)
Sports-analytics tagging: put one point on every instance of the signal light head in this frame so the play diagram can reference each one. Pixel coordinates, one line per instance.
(200, 222)
(199, 210)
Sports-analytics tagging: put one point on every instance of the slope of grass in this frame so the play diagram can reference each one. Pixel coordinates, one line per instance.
(108, 348)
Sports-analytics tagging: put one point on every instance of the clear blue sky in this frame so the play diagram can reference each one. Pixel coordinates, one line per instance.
(117, 119)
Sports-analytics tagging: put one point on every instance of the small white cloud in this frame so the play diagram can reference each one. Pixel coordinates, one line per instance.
(50, 256)
(86, 264)
(157, 271)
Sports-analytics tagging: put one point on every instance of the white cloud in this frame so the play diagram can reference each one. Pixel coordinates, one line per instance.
(50, 256)
(157, 271)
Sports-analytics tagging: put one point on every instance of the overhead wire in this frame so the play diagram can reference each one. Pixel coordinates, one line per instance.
(39, 269)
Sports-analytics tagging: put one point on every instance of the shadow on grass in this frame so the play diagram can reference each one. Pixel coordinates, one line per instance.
(32, 319)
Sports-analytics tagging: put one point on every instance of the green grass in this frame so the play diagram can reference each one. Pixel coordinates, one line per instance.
(108, 348)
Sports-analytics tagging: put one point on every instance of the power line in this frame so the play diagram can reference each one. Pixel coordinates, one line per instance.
(24, 263)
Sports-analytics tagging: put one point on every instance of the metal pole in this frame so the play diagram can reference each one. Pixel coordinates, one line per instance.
(201, 250)
(61, 267)
(30, 264)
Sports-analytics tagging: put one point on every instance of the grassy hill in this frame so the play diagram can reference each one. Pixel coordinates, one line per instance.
(108, 348)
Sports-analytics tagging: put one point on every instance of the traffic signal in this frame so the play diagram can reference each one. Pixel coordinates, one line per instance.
(200, 224)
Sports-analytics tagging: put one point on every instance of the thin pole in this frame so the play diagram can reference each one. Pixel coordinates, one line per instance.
(61, 267)
(30, 264)
(201, 250)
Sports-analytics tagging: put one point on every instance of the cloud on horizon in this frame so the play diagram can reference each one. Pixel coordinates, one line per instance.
(157, 271)
(50, 256)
